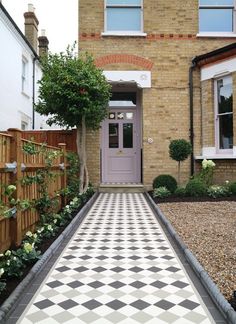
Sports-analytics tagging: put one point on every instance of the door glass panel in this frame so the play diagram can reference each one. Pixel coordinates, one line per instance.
(120, 115)
(129, 115)
(113, 135)
(127, 135)
(112, 115)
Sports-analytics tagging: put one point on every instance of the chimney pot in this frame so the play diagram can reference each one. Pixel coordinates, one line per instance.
(43, 32)
(31, 7)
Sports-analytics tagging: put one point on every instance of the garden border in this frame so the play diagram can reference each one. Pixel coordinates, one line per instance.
(220, 301)
(7, 307)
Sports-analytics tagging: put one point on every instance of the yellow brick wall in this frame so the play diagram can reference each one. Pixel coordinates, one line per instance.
(208, 113)
(170, 44)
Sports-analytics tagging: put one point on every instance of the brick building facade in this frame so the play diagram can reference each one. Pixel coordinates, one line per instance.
(146, 50)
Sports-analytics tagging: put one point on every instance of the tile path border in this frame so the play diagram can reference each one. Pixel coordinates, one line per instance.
(11, 302)
(223, 305)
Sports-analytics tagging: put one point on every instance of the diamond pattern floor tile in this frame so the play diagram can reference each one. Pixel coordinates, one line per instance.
(118, 268)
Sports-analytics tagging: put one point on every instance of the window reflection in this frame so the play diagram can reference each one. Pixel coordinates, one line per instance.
(225, 112)
(128, 135)
(113, 135)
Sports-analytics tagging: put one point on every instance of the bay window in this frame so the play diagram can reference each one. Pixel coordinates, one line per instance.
(224, 113)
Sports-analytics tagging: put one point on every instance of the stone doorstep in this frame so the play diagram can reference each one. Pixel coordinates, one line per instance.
(121, 188)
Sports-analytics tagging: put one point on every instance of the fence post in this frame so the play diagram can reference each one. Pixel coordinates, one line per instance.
(16, 156)
(64, 175)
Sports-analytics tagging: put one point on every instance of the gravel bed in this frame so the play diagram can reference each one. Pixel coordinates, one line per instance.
(209, 231)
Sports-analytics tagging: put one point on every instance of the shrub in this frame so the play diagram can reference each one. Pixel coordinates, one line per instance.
(165, 180)
(196, 188)
(206, 174)
(180, 192)
(232, 188)
(217, 191)
(161, 192)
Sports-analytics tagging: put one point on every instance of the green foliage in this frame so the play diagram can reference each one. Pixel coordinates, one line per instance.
(196, 188)
(218, 191)
(206, 174)
(232, 188)
(179, 149)
(180, 192)
(2, 286)
(165, 180)
(11, 264)
(161, 192)
(73, 87)
(27, 253)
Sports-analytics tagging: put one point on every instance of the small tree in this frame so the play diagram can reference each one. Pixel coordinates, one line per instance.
(179, 150)
(73, 92)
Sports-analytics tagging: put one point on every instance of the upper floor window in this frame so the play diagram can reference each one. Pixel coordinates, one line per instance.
(216, 15)
(24, 74)
(224, 113)
(124, 16)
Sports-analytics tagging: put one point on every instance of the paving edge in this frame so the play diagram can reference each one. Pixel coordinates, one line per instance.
(220, 301)
(7, 307)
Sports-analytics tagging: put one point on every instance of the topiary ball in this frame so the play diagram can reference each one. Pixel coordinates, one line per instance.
(179, 149)
(196, 188)
(165, 180)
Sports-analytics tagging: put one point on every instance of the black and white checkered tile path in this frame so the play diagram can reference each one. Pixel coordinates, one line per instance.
(118, 268)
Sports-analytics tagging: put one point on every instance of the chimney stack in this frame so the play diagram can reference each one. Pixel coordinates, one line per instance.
(31, 27)
(43, 44)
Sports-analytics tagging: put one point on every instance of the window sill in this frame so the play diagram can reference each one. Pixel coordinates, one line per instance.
(125, 34)
(216, 34)
(216, 157)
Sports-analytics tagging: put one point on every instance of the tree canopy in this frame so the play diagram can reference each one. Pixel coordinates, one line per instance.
(73, 92)
(72, 87)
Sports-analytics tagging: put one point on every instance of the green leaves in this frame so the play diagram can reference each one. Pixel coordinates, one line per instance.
(72, 87)
(179, 149)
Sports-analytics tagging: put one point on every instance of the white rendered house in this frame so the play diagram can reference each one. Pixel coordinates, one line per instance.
(19, 72)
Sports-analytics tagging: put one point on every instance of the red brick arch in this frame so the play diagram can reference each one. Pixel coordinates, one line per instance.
(124, 58)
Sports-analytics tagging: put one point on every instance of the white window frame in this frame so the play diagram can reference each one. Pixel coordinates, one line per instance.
(217, 119)
(219, 34)
(122, 32)
(24, 75)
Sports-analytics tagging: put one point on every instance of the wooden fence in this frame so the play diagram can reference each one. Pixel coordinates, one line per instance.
(53, 137)
(15, 164)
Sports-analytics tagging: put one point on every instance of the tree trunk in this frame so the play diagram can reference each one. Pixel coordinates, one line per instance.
(81, 148)
(179, 173)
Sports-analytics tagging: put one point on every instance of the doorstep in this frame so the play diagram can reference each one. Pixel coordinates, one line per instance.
(121, 187)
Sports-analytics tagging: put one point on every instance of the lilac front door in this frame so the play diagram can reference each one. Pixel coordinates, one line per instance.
(121, 146)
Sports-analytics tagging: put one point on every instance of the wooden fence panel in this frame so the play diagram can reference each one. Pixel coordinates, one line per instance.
(12, 149)
(53, 137)
(5, 142)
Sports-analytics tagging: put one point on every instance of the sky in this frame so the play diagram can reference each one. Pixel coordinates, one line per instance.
(58, 17)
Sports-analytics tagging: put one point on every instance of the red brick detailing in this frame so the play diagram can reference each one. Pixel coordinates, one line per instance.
(154, 37)
(124, 58)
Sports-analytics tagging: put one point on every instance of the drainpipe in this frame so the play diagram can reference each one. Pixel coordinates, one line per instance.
(36, 58)
(191, 68)
(33, 95)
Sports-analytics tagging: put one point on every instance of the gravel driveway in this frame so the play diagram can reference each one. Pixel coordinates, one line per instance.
(209, 230)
